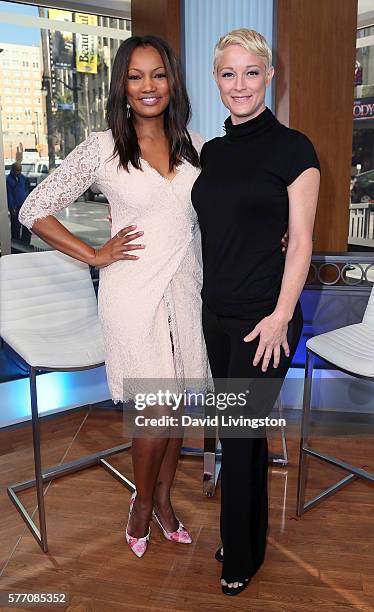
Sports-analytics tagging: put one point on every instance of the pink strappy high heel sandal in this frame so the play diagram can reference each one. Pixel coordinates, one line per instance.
(137, 545)
(181, 535)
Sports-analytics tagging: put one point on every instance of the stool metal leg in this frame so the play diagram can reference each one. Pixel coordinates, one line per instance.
(212, 464)
(308, 380)
(40, 536)
(305, 450)
(37, 459)
(55, 471)
(283, 434)
(275, 457)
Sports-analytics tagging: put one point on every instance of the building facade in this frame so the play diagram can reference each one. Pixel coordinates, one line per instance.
(22, 100)
(363, 110)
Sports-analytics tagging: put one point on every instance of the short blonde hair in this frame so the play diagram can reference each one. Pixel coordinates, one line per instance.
(248, 39)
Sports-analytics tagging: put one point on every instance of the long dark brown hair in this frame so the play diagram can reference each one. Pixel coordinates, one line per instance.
(176, 115)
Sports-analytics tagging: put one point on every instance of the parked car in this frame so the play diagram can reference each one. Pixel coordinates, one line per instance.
(36, 172)
(362, 189)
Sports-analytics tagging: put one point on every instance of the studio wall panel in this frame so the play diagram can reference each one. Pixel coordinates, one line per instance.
(203, 22)
(316, 51)
(159, 17)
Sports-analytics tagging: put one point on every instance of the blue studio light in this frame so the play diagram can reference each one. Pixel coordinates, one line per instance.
(57, 391)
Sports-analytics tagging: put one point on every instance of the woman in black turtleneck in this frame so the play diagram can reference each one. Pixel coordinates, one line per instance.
(258, 179)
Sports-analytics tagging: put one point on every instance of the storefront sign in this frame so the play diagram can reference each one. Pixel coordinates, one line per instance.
(363, 108)
(86, 46)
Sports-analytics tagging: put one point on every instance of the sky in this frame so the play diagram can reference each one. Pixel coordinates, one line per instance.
(19, 35)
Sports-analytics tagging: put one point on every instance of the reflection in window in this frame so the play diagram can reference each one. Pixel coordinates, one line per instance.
(54, 87)
(362, 183)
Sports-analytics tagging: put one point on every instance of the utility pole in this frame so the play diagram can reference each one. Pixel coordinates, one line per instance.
(47, 86)
(76, 109)
(75, 89)
(87, 99)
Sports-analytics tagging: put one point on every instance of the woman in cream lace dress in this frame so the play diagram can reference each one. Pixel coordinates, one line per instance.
(149, 296)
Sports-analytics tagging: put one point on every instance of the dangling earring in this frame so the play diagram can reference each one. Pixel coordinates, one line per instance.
(128, 110)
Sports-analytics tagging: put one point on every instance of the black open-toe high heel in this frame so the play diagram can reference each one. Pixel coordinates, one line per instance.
(226, 590)
(219, 557)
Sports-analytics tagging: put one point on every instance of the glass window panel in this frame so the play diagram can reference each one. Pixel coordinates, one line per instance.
(68, 98)
(46, 97)
(362, 184)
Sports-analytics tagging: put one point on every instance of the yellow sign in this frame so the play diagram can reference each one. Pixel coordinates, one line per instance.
(59, 15)
(86, 45)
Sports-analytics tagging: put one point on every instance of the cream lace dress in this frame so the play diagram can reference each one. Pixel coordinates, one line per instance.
(150, 309)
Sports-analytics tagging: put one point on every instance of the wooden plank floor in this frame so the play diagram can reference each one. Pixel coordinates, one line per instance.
(322, 561)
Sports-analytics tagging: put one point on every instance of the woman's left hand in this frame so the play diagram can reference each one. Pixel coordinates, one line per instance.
(273, 335)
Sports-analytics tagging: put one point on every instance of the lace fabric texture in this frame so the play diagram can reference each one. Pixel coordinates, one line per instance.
(149, 306)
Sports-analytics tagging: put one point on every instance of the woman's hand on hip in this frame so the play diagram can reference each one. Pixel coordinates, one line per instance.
(117, 248)
(273, 335)
(284, 242)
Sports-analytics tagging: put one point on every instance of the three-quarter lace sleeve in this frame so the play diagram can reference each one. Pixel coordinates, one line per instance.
(77, 172)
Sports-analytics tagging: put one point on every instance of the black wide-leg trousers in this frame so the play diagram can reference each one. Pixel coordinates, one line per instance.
(244, 470)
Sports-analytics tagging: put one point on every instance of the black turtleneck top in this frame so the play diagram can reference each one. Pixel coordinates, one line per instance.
(241, 201)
